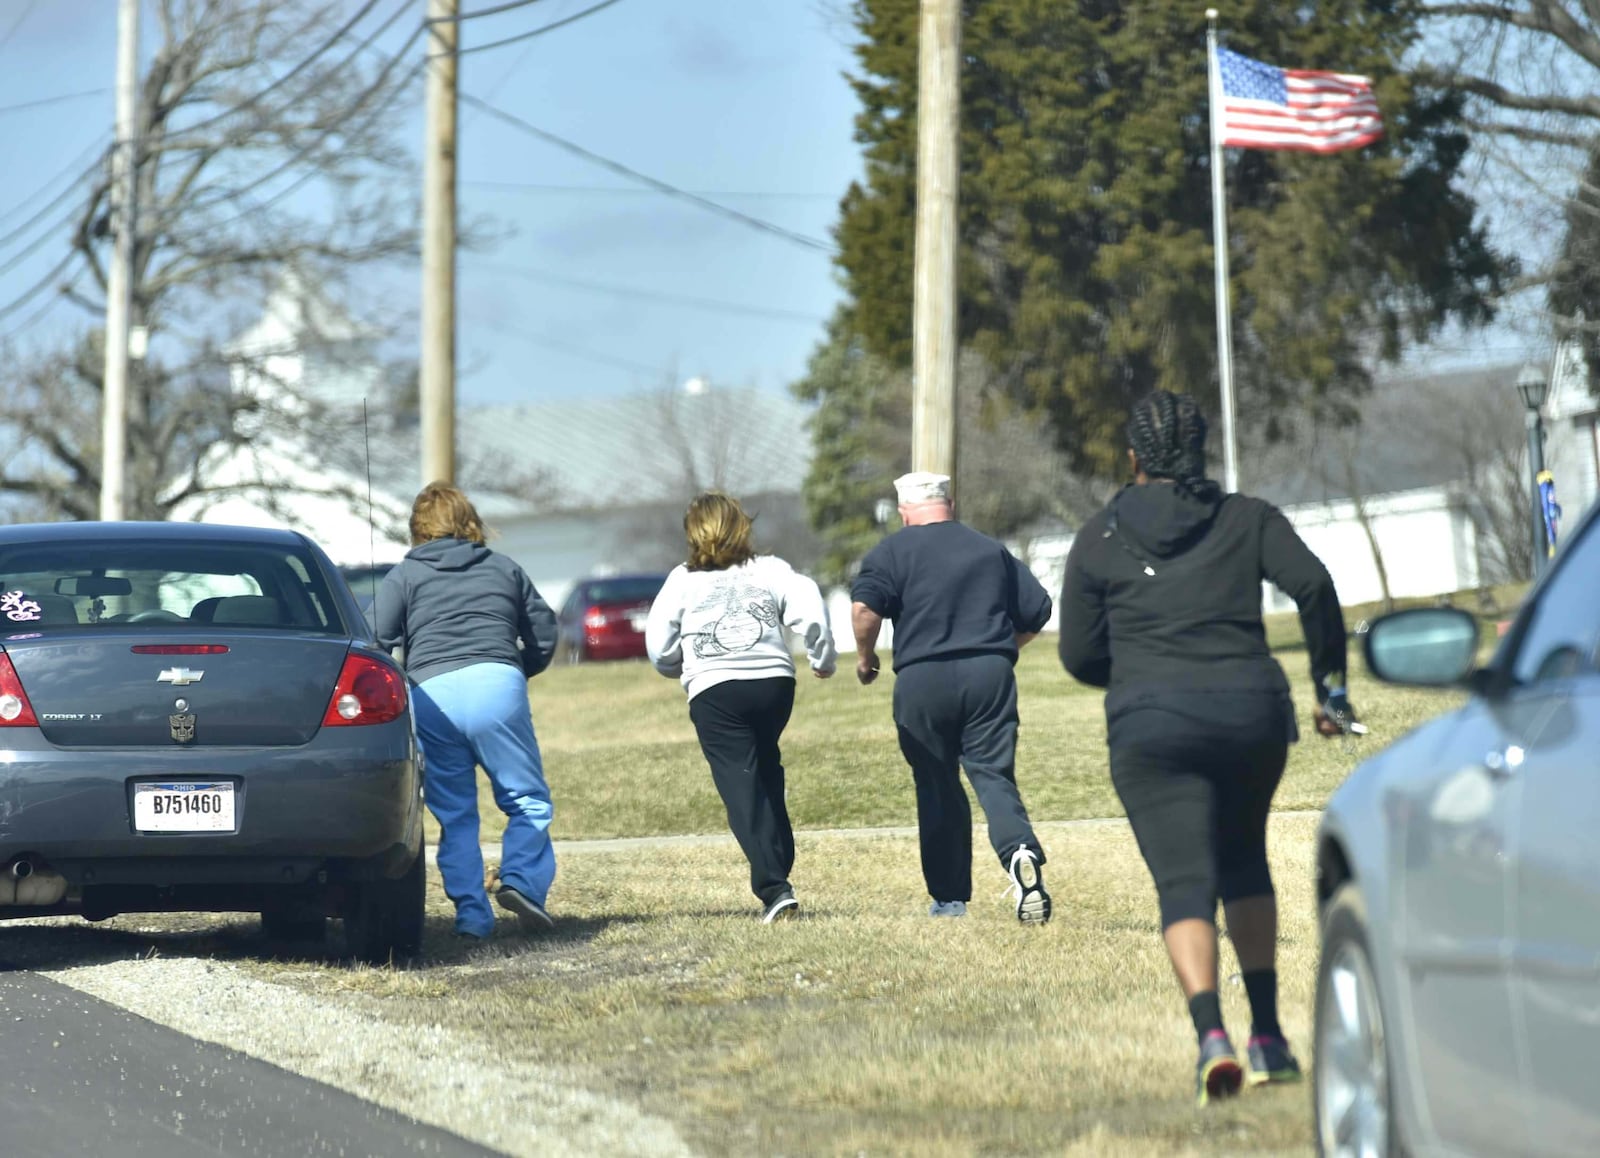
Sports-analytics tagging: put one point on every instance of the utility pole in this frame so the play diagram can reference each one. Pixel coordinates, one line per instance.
(119, 278)
(438, 379)
(933, 324)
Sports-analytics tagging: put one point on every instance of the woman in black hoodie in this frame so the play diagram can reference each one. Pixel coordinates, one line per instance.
(1162, 606)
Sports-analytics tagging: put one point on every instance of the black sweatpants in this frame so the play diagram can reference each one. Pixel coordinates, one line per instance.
(739, 723)
(955, 713)
(1196, 773)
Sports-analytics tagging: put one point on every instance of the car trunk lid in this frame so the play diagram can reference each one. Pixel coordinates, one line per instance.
(128, 689)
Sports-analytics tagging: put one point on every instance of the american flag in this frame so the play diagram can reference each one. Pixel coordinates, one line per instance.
(1294, 108)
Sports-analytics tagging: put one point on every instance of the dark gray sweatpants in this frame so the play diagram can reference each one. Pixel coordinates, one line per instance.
(953, 714)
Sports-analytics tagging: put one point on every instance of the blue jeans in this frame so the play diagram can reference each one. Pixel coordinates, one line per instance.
(478, 716)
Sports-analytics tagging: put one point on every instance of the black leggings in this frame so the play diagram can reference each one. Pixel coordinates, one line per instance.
(1197, 785)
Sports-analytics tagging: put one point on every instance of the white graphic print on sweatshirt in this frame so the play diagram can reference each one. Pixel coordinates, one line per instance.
(740, 615)
(707, 627)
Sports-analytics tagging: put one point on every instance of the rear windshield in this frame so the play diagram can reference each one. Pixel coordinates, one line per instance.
(636, 590)
(365, 581)
(164, 585)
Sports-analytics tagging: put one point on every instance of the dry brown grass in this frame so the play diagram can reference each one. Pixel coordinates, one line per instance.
(866, 1027)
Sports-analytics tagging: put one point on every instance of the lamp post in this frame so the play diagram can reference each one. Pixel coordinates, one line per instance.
(1533, 386)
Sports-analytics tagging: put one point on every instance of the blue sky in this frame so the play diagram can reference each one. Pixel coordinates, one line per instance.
(743, 99)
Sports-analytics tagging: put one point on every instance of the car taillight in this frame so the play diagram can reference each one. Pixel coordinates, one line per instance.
(595, 619)
(369, 691)
(15, 710)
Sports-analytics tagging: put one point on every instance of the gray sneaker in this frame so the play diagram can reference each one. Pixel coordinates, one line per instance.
(948, 909)
(783, 908)
(1217, 1074)
(530, 915)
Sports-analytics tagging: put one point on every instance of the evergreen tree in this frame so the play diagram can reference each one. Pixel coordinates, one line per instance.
(1085, 220)
(1574, 293)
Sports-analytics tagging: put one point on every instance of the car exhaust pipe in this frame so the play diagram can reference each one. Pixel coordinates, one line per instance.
(25, 883)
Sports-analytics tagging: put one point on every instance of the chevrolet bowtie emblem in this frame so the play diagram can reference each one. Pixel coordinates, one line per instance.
(180, 676)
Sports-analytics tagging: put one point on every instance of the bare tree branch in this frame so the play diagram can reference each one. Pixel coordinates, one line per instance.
(204, 255)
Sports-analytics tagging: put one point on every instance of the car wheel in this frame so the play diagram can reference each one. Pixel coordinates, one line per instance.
(289, 924)
(1351, 1079)
(383, 918)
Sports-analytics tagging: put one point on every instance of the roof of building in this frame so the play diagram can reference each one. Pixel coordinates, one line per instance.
(651, 447)
(1414, 433)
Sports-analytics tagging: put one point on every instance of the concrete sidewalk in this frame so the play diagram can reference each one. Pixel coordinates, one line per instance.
(618, 844)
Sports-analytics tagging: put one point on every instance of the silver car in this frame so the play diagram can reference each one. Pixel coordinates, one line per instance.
(1458, 874)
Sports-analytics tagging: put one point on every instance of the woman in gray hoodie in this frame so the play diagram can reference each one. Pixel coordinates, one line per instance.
(474, 631)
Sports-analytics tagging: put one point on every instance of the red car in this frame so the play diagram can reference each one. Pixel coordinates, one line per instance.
(604, 618)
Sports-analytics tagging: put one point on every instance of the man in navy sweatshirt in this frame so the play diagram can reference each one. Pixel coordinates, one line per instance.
(962, 608)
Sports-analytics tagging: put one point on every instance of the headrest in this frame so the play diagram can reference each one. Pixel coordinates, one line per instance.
(248, 609)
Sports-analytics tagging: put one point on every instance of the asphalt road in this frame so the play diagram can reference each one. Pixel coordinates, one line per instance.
(85, 1078)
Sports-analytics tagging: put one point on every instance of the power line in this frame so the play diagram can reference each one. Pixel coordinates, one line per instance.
(686, 300)
(654, 183)
(18, 23)
(37, 316)
(37, 243)
(495, 11)
(254, 206)
(74, 167)
(751, 194)
(571, 350)
(37, 288)
(304, 152)
(617, 166)
(511, 70)
(55, 100)
(573, 19)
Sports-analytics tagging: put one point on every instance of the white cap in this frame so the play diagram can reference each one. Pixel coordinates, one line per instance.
(922, 486)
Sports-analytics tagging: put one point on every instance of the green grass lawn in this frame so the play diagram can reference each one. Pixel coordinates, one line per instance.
(622, 759)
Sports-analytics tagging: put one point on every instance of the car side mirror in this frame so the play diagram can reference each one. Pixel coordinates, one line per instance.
(1430, 647)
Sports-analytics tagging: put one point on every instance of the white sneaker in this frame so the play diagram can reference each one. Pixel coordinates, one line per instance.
(1033, 903)
(948, 909)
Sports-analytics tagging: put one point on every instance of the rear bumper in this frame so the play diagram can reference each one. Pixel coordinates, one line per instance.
(349, 799)
(598, 646)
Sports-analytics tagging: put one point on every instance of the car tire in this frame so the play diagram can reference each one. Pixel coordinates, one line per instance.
(1352, 1075)
(383, 918)
(292, 925)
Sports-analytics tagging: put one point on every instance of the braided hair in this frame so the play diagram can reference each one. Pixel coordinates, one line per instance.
(1168, 435)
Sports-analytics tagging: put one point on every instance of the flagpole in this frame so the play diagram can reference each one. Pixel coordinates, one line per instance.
(1219, 232)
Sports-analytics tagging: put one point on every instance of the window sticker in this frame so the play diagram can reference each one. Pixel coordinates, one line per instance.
(18, 609)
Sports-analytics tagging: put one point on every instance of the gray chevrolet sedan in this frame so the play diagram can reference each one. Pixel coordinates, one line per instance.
(1458, 1001)
(197, 718)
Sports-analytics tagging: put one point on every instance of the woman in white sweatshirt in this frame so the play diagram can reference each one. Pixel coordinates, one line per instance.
(718, 626)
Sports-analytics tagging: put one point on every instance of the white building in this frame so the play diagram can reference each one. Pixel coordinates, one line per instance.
(1572, 428)
(307, 368)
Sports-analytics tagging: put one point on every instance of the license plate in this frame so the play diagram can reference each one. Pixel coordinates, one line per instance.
(639, 619)
(183, 806)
